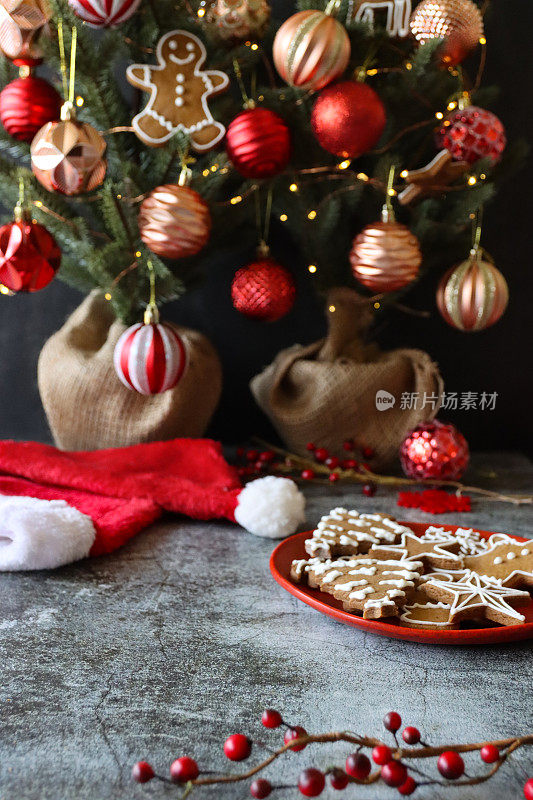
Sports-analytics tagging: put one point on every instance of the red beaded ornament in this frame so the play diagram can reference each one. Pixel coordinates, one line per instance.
(104, 13)
(263, 290)
(258, 143)
(348, 118)
(26, 104)
(434, 450)
(29, 255)
(472, 133)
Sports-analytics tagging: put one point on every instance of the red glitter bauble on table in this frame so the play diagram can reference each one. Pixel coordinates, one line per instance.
(29, 255)
(104, 13)
(434, 450)
(263, 290)
(472, 133)
(473, 295)
(26, 104)
(348, 118)
(258, 143)
(150, 357)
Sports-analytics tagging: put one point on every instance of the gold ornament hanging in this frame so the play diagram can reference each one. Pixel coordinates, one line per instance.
(21, 23)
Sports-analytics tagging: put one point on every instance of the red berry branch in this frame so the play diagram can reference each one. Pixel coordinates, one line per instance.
(397, 766)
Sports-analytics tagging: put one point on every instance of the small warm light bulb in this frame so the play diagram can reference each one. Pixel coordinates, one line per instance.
(214, 168)
(344, 164)
(482, 40)
(311, 215)
(79, 101)
(107, 295)
(4, 289)
(38, 203)
(408, 65)
(451, 106)
(119, 197)
(439, 115)
(377, 305)
(255, 46)
(332, 309)
(472, 180)
(205, 173)
(312, 268)
(482, 176)
(138, 254)
(391, 192)
(371, 72)
(361, 176)
(404, 173)
(235, 200)
(283, 218)
(293, 187)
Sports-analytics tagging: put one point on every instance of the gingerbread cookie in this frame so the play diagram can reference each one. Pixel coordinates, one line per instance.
(179, 92)
(425, 614)
(478, 597)
(434, 549)
(508, 562)
(366, 586)
(346, 533)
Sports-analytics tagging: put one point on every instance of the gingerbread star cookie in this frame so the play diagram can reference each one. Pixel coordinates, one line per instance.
(179, 93)
(367, 586)
(478, 597)
(346, 533)
(508, 562)
(434, 549)
(425, 614)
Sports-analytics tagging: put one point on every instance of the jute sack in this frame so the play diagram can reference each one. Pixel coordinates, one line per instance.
(89, 408)
(339, 388)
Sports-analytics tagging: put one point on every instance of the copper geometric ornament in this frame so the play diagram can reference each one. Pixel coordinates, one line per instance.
(21, 23)
(68, 157)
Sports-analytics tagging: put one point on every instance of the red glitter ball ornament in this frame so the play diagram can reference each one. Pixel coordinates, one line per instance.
(26, 104)
(29, 255)
(348, 118)
(472, 133)
(263, 290)
(434, 450)
(258, 143)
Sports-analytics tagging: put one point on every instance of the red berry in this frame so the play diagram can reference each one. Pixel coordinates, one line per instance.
(338, 779)
(237, 747)
(311, 782)
(489, 753)
(308, 474)
(240, 452)
(311, 446)
(381, 754)
(271, 718)
(142, 772)
(259, 465)
(350, 463)
(358, 766)
(333, 477)
(392, 721)
(260, 788)
(450, 765)
(295, 732)
(252, 455)
(411, 735)
(332, 462)
(267, 456)
(408, 787)
(528, 790)
(184, 769)
(394, 773)
(369, 489)
(321, 454)
(348, 445)
(368, 452)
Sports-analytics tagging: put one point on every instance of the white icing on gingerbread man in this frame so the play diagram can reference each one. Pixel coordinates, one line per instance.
(179, 92)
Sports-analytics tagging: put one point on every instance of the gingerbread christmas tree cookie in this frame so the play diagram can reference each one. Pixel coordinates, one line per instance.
(437, 550)
(179, 93)
(343, 532)
(507, 561)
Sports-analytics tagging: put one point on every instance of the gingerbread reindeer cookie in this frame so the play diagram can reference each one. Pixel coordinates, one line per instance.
(179, 93)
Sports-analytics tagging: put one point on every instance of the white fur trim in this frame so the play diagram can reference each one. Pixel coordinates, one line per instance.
(270, 507)
(41, 534)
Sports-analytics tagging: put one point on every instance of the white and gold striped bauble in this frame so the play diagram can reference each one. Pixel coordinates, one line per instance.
(473, 295)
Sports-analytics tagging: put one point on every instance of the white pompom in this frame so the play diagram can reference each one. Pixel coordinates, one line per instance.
(270, 507)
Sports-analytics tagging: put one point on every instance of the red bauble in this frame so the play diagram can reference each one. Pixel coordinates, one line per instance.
(434, 450)
(263, 290)
(237, 747)
(450, 765)
(528, 789)
(258, 143)
(104, 13)
(348, 118)
(29, 256)
(150, 358)
(184, 769)
(26, 104)
(472, 133)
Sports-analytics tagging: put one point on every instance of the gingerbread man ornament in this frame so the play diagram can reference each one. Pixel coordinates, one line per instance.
(179, 92)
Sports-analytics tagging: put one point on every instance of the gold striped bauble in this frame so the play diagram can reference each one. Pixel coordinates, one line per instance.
(473, 295)
(458, 22)
(174, 221)
(385, 256)
(311, 49)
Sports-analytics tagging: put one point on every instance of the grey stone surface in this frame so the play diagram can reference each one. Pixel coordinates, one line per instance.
(182, 637)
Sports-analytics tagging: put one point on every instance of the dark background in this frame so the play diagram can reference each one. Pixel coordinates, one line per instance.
(498, 360)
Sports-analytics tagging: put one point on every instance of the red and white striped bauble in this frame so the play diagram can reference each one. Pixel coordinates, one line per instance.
(104, 13)
(150, 358)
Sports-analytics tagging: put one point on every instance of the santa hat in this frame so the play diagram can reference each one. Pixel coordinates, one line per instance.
(57, 507)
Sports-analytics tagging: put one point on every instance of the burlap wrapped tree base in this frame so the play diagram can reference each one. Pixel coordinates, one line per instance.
(326, 392)
(88, 407)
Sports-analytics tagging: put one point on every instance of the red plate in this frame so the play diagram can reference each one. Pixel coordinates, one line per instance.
(293, 547)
